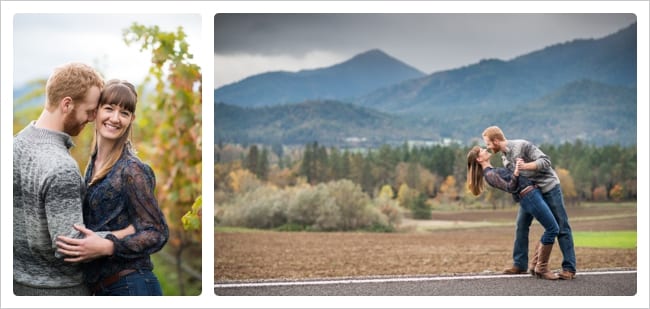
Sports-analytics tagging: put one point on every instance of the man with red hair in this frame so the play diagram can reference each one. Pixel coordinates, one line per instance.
(538, 168)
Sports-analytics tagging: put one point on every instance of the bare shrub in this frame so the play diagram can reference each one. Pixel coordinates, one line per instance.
(264, 207)
(333, 206)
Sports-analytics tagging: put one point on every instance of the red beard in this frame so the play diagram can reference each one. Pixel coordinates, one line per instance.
(71, 126)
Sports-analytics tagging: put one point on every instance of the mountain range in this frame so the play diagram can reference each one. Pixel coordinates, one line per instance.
(582, 89)
(361, 74)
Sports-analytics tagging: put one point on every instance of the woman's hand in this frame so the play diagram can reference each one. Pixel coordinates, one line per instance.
(90, 247)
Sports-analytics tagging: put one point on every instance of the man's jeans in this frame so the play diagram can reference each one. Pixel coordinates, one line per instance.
(555, 201)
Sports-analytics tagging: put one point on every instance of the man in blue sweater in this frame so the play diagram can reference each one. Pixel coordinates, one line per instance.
(537, 168)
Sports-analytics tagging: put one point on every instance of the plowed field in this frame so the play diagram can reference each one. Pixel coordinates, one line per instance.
(451, 243)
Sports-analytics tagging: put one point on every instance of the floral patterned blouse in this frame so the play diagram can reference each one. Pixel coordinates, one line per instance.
(124, 196)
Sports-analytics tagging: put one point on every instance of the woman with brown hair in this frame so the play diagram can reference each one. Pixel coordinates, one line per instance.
(121, 193)
(525, 192)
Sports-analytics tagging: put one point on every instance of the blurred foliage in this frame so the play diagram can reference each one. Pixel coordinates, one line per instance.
(165, 270)
(419, 207)
(172, 125)
(192, 219)
(596, 170)
(24, 114)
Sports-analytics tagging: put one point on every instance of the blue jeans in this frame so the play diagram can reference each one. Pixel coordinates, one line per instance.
(139, 283)
(533, 203)
(555, 202)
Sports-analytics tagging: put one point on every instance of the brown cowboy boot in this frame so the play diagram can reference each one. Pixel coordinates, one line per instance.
(567, 274)
(541, 269)
(533, 260)
(514, 270)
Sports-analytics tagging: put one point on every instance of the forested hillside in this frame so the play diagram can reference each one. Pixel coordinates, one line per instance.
(584, 110)
(330, 122)
(584, 89)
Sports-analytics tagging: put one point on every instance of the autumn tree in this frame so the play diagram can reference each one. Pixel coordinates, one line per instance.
(282, 177)
(173, 123)
(404, 193)
(448, 188)
(415, 176)
(386, 192)
(616, 193)
(242, 181)
(415, 201)
(600, 193)
(568, 186)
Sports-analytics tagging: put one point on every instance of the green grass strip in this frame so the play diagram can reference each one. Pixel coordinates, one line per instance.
(610, 239)
(235, 229)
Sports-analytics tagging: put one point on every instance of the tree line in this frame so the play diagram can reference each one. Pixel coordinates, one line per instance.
(438, 173)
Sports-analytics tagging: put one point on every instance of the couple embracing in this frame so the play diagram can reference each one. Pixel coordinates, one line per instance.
(84, 236)
(529, 176)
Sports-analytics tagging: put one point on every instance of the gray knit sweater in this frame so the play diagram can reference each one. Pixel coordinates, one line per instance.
(544, 177)
(48, 192)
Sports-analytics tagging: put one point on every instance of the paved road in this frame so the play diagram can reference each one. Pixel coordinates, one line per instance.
(594, 283)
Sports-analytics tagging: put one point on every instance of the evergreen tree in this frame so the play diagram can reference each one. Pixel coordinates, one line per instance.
(336, 164)
(305, 165)
(345, 169)
(420, 208)
(262, 171)
(321, 168)
(252, 159)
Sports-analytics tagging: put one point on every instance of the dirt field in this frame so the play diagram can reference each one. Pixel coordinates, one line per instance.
(452, 243)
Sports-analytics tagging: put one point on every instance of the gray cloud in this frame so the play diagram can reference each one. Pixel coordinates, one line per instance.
(282, 33)
(430, 42)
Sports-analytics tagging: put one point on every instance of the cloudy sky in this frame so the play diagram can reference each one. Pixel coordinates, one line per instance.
(44, 41)
(248, 44)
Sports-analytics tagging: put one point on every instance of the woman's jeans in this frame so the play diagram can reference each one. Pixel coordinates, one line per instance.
(138, 283)
(555, 202)
(534, 204)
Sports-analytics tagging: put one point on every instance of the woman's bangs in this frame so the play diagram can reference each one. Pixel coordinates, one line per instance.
(121, 96)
